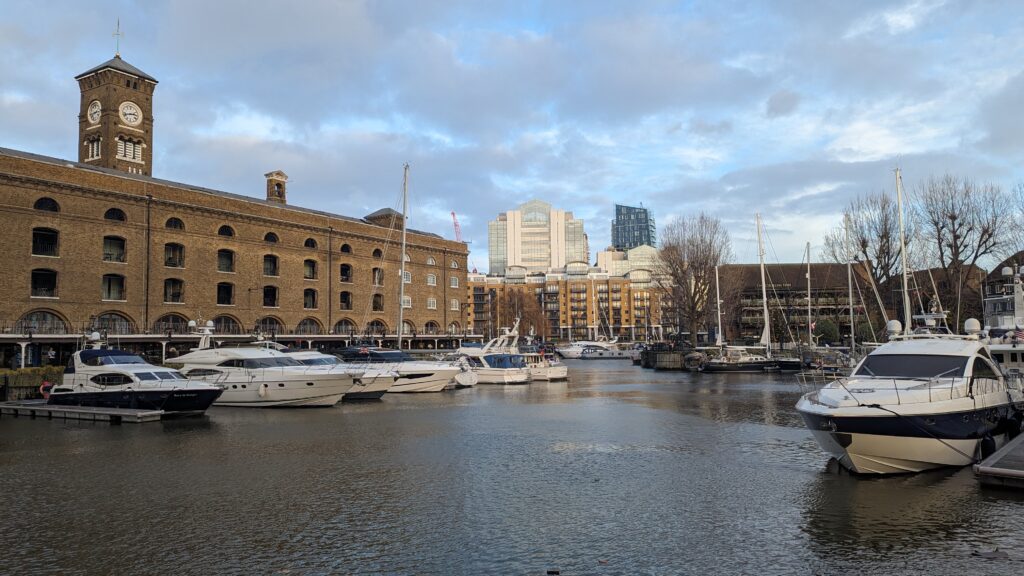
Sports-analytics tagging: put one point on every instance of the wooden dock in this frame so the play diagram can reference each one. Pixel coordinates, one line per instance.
(1005, 467)
(33, 409)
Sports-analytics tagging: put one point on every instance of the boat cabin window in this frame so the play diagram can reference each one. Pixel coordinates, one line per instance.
(253, 363)
(319, 361)
(112, 360)
(197, 372)
(169, 375)
(913, 366)
(233, 363)
(145, 376)
(111, 379)
(982, 369)
(505, 361)
(998, 357)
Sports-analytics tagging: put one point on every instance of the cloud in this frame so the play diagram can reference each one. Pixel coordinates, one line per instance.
(781, 103)
(1000, 116)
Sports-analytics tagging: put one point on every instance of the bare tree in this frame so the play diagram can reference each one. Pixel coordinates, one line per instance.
(960, 223)
(1011, 243)
(522, 303)
(691, 248)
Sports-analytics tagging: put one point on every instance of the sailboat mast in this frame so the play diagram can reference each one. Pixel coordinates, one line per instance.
(401, 279)
(718, 309)
(903, 254)
(810, 332)
(764, 292)
(849, 280)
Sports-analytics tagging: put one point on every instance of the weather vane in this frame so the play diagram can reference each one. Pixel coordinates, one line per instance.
(117, 38)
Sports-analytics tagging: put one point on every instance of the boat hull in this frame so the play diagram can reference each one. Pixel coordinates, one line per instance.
(503, 376)
(369, 387)
(549, 373)
(181, 400)
(739, 367)
(422, 382)
(308, 390)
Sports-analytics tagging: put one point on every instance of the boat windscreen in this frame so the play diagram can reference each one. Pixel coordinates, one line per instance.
(322, 361)
(274, 362)
(913, 366)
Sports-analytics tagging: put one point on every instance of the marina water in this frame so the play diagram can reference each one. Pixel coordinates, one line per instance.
(619, 471)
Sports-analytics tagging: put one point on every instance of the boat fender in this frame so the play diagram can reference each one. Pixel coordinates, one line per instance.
(44, 389)
(264, 390)
(987, 447)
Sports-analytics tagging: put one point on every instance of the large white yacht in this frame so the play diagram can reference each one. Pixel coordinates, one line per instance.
(498, 361)
(574, 350)
(101, 376)
(368, 384)
(413, 375)
(920, 401)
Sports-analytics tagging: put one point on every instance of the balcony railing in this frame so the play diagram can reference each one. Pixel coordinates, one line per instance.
(114, 257)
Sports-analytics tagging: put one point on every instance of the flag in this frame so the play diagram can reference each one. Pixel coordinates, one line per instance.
(1018, 333)
(813, 324)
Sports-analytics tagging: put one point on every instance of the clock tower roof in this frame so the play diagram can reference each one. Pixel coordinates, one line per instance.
(116, 63)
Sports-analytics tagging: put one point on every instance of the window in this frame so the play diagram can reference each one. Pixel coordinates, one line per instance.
(345, 326)
(45, 242)
(982, 369)
(269, 325)
(407, 259)
(309, 269)
(431, 303)
(226, 325)
(309, 299)
(406, 301)
(377, 327)
(309, 326)
(174, 291)
(346, 249)
(225, 261)
(345, 303)
(128, 149)
(453, 328)
(46, 205)
(174, 255)
(225, 294)
(431, 261)
(113, 287)
(345, 273)
(455, 265)
(270, 237)
(114, 249)
(408, 328)
(93, 148)
(114, 323)
(378, 276)
(378, 303)
(174, 323)
(41, 322)
(431, 280)
(270, 265)
(431, 328)
(174, 224)
(377, 253)
(454, 305)
(44, 284)
(115, 214)
(309, 243)
(454, 281)
(270, 296)
(407, 277)
(226, 231)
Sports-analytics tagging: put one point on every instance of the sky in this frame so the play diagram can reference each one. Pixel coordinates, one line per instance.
(789, 109)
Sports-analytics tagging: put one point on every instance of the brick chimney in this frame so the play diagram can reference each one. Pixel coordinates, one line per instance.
(277, 187)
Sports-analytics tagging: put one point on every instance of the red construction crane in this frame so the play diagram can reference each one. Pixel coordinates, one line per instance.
(458, 229)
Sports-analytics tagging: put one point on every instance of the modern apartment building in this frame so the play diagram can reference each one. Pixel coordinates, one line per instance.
(633, 227)
(537, 237)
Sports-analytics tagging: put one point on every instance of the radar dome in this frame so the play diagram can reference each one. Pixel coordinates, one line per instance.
(972, 326)
(893, 327)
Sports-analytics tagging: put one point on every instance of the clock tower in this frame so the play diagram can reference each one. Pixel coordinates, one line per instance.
(115, 119)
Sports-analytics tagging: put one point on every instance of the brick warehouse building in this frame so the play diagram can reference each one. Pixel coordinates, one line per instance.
(100, 244)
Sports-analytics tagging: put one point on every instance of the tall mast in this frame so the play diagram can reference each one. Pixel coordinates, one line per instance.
(767, 338)
(903, 255)
(849, 280)
(401, 278)
(810, 333)
(718, 309)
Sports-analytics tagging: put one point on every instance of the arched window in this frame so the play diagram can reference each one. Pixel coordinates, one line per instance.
(309, 243)
(269, 325)
(407, 259)
(226, 325)
(115, 214)
(44, 283)
(176, 323)
(45, 242)
(270, 296)
(270, 265)
(174, 224)
(41, 322)
(309, 269)
(47, 205)
(129, 149)
(431, 280)
(309, 326)
(225, 261)
(270, 237)
(114, 249)
(431, 328)
(453, 281)
(345, 326)
(454, 305)
(345, 302)
(377, 253)
(174, 255)
(93, 147)
(407, 277)
(377, 327)
(345, 273)
(346, 249)
(431, 303)
(174, 291)
(453, 328)
(455, 265)
(226, 230)
(406, 301)
(408, 328)
(378, 276)
(431, 261)
(225, 294)
(114, 323)
(378, 303)
(309, 299)
(113, 287)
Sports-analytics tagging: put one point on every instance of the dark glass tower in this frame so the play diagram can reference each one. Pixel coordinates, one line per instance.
(633, 227)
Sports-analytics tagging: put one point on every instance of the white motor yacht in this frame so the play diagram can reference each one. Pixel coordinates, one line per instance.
(574, 350)
(920, 401)
(100, 376)
(369, 383)
(544, 367)
(499, 361)
(413, 375)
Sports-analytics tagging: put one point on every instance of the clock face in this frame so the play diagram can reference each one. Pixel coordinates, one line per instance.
(131, 114)
(94, 111)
